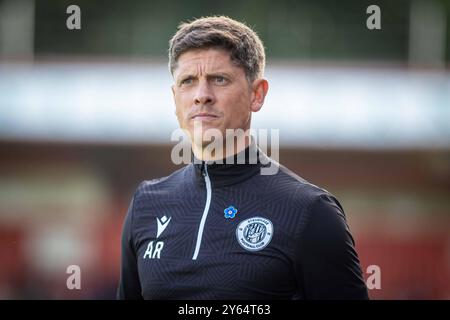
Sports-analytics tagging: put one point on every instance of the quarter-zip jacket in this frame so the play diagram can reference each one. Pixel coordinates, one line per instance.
(225, 231)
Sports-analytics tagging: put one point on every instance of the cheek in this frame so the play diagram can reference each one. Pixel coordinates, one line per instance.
(182, 117)
(180, 105)
(240, 106)
(236, 113)
(236, 98)
(180, 112)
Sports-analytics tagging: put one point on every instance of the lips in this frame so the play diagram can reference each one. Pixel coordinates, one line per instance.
(204, 116)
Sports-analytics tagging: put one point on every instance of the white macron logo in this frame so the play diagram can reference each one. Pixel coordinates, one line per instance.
(154, 248)
(162, 224)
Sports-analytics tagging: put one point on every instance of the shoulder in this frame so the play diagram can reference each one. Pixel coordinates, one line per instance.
(163, 186)
(292, 189)
(295, 201)
(318, 205)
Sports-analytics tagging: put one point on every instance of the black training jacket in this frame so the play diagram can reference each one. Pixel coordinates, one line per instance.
(226, 231)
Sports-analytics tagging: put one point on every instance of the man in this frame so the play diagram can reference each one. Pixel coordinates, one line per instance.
(215, 230)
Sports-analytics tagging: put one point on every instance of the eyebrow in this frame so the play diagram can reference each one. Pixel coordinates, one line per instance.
(209, 75)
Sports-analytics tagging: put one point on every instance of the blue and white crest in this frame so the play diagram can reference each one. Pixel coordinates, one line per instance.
(255, 233)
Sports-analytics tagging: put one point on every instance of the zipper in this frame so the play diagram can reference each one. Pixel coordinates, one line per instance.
(205, 211)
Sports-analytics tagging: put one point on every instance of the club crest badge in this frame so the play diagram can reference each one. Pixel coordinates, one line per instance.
(255, 233)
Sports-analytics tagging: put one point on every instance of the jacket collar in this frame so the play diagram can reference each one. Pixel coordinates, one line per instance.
(231, 170)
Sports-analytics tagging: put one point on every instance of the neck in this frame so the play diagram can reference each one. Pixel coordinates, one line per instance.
(232, 170)
(221, 150)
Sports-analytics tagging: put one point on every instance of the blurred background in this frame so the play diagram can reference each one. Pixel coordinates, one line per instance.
(86, 115)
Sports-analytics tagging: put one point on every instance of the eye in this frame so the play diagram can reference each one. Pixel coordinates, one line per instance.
(186, 81)
(220, 80)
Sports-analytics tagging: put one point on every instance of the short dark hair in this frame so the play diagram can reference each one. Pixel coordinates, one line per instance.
(245, 47)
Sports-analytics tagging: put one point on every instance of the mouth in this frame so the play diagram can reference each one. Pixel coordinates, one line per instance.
(204, 116)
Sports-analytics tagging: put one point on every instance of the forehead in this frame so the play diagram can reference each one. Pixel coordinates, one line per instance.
(205, 60)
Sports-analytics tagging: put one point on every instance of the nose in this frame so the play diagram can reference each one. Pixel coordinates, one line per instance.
(203, 94)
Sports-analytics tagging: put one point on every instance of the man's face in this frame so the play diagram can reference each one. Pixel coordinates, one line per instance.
(210, 89)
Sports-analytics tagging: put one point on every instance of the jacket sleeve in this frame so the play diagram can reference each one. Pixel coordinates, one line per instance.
(327, 265)
(129, 284)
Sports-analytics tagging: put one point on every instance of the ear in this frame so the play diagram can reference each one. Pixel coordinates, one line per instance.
(260, 87)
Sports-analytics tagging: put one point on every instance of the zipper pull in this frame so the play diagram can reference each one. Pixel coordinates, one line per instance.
(204, 169)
